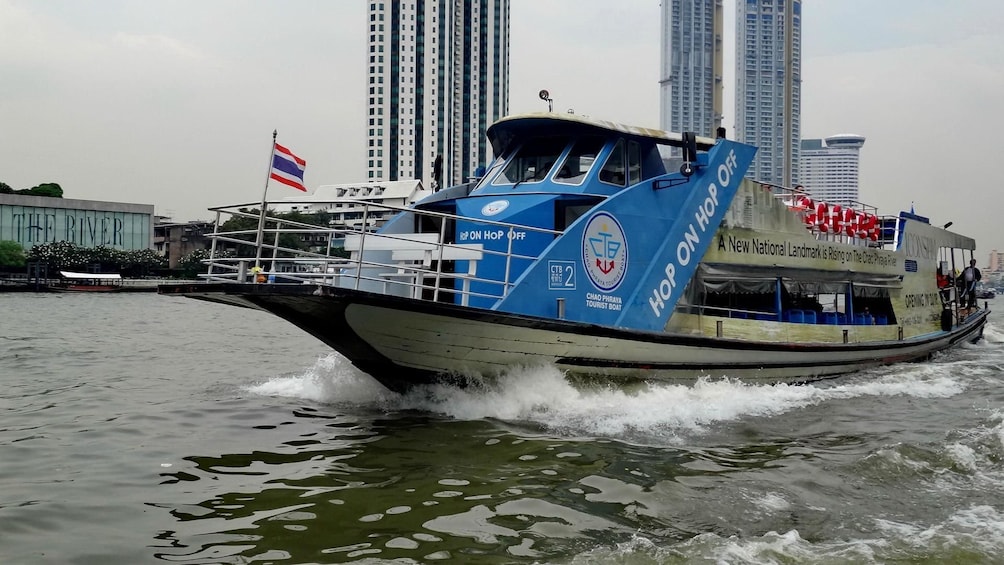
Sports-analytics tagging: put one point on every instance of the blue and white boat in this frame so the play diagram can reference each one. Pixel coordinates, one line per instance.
(612, 251)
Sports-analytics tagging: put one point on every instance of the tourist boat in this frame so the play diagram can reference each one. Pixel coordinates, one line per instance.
(610, 251)
(70, 281)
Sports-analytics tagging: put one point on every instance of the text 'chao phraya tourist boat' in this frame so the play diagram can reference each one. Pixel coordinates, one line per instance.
(588, 246)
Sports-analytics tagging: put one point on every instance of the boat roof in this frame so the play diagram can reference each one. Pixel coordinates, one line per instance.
(503, 132)
(103, 276)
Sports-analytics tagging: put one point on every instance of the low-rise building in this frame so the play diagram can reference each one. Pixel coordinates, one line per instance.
(175, 240)
(347, 202)
(34, 220)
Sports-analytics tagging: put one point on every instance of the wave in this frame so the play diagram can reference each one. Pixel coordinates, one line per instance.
(974, 534)
(542, 396)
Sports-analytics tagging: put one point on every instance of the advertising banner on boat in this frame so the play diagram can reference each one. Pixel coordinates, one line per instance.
(627, 261)
(798, 250)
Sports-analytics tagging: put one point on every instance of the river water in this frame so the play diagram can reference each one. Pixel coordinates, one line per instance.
(139, 428)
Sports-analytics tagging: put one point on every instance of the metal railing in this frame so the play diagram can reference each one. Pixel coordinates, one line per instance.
(887, 226)
(424, 265)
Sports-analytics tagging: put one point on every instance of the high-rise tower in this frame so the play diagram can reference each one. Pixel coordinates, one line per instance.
(828, 168)
(438, 76)
(691, 66)
(768, 86)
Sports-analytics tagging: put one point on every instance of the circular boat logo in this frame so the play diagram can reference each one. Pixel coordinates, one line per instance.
(604, 251)
(494, 207)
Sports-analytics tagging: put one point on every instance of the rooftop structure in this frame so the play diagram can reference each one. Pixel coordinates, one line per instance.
(347, 202)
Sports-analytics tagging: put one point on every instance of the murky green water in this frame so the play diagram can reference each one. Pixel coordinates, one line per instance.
(144, 428)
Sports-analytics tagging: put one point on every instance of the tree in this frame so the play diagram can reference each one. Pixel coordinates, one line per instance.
(5, 188)
(49, 189)
(192, 264)
(11, 254)
(67, 256)
(287, 240)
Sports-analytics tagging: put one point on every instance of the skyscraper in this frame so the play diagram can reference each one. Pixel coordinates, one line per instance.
(691, 83)
(438, 75)
(828, 168)
(768, 86)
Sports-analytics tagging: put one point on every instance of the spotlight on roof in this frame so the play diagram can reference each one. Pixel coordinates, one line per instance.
(546, 96)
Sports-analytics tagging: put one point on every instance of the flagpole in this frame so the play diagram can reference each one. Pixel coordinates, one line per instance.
(261, 211)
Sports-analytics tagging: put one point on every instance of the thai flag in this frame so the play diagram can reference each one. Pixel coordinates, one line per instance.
(288, 168)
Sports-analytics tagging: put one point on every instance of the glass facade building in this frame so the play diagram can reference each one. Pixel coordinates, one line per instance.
(768, 86)
(438, 76)
(33, 220)
(690, 84)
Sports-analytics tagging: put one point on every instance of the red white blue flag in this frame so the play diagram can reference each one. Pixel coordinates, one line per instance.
(288, 168)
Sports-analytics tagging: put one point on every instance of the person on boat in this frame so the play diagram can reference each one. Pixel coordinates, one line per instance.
(970, 276)
(944, 284)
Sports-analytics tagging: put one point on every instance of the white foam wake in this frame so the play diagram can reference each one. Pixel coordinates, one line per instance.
(331, 379)
(542, 396)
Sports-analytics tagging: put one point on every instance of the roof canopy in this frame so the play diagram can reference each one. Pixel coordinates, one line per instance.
(92, 276)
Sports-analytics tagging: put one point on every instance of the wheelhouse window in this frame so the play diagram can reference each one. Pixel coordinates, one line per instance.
(492, 171)
(634, 162)
(533, 161)
(613, 170)
(580, 159)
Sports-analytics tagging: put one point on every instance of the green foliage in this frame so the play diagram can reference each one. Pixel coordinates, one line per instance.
(49, 189)
(67, 256)
(287, 240)
(11, 254)
(192, 264)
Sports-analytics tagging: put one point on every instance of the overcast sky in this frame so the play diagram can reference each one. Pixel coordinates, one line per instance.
(173, 103)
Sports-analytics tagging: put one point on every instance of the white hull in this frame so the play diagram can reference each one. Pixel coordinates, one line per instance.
(402, 342)
(437, 343)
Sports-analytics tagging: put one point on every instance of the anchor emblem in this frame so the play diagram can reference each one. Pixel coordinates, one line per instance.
(605, 266)
(605, 251)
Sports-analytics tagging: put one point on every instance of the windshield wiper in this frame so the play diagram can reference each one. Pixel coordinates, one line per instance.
(526, 178)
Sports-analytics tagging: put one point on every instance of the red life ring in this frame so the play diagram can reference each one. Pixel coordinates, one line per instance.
(862, 225)
(837, 218)
(873, 228)
(850, 222)
(822, 217)
(809, 217)
(869, 227)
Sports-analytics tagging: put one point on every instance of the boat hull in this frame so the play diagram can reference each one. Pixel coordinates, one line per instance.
(85, 288)
(403, 342)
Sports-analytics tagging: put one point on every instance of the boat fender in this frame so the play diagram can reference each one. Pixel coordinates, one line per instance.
(946, 320)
